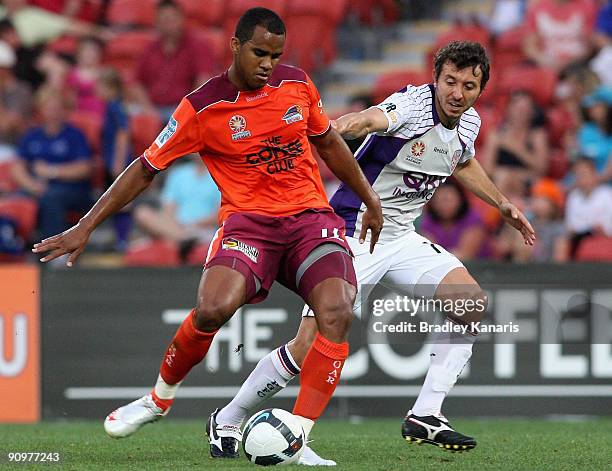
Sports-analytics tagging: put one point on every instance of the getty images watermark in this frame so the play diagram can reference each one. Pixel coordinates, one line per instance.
(545, 314)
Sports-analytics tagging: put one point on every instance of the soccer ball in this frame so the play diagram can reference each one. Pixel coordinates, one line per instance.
(273, 437)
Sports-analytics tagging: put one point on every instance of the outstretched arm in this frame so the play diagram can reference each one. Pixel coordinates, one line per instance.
(337, 156)
(133, 181)
(473, 177)
(356, 125)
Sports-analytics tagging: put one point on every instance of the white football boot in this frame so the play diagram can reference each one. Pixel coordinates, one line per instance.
(126, 420)
(310, 458)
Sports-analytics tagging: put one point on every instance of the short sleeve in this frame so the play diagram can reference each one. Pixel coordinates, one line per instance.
(318, 122)
(180, 137)
(468, 129)
(399, 109)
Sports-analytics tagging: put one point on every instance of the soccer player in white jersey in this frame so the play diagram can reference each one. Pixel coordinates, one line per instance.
(416, 139)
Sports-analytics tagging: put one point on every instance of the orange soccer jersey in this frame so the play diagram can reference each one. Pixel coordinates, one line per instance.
(255, 144)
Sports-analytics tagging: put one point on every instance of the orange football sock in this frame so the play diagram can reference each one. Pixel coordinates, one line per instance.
(188, 347)
(319, 376)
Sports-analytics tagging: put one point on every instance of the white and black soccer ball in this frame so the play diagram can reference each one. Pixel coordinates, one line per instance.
(273, 437)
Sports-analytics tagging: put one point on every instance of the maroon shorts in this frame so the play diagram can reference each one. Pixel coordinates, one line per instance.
(278, 248)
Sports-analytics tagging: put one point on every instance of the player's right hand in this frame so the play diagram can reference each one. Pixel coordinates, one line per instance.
(372, 220)
(71, 241)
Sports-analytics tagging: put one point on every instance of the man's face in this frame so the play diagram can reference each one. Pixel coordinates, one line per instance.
(170, 22)
(256, 59)
(457, 89)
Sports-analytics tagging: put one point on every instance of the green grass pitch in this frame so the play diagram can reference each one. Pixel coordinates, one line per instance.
(369, 445)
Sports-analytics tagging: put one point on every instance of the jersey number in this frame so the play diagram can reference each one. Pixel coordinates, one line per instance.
(335, 233)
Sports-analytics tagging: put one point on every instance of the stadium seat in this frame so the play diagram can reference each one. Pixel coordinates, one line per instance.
(595, 249)
(215, 40)
(558, 122)
(315, 43)
(204, 13)
(391, 82)
(23, 211)
(124, 50)
(144, 128)
(372, 12)
(558, 164)
(197, 255)
(127, 13)
(507, 49)
(64, 45)
(155, 253)
(7, 184)
(539, 82)
(90, 124)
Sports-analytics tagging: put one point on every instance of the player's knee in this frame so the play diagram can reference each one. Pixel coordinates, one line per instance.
(212, 314)
(334, 318)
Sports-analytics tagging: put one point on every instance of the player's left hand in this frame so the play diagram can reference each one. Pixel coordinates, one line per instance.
(372, 220)
(517, 219)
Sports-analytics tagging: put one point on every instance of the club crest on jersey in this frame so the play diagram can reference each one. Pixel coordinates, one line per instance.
(293, 114)
(238, 125)
(229, 243)
(166, 133)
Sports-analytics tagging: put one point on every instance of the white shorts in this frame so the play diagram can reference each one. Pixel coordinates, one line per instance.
(411, 262)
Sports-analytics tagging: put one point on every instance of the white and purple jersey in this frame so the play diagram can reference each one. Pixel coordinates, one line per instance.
(406, 163)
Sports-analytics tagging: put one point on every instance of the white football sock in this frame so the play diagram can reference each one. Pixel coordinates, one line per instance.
(164, 390)
(271, 375)
(449, 355)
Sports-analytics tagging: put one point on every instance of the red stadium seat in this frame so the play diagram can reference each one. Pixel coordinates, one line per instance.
(214, 39)
(558, 164)
(156, 253)
(197, 255)
(7, 184)
(90, 124)
(65, 45)
(131, 12)
(375, 11)
(144, 128)
(391, 82)
(558, 122)
(539, 82)
(595, 249)
(508, 49)
(311, 26)
(23, 211)
(125, 49)
(204, 13)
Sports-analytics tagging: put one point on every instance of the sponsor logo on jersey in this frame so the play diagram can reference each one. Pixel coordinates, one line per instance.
(257, 97)
(276, 155)
(167, 132)
(229, 243)
(417, 149)
(439, 150)
(293, 114)
(238, 125)
(421, 181)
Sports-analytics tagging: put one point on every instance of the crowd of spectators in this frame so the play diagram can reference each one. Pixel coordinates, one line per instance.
(77, 75)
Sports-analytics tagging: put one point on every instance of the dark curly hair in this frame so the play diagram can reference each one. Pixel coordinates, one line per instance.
(258, 16)
(463, 54)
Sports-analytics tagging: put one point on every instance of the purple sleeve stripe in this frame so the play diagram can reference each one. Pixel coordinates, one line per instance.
(150, 167)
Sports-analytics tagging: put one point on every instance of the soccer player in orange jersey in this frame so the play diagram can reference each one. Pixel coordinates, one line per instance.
(252, 126)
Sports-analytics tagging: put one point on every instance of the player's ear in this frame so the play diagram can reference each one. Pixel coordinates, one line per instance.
(235, 45)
